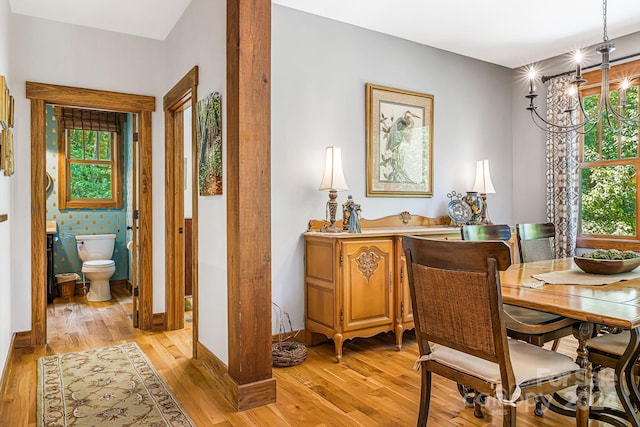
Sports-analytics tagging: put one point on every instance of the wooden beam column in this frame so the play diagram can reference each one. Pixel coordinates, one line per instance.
(38, 225)
(249, 202)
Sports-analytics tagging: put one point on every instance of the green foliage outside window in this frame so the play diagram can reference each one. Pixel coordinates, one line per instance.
(608, 199)
(90, 168)
(90, 181)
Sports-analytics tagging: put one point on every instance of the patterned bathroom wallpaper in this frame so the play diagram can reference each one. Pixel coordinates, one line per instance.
(84, 221)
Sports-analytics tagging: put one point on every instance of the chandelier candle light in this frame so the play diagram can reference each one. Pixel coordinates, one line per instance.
(605, 111)
(333, 181)
(484, 186)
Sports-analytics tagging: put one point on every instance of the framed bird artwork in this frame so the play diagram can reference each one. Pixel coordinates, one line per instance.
(399, 129)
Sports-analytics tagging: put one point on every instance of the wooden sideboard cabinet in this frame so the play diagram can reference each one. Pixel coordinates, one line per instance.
(356, 284)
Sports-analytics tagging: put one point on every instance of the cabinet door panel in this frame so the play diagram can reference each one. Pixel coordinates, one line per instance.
(367, 271)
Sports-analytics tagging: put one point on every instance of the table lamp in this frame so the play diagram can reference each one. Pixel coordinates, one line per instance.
(333, 181)
(484, 186)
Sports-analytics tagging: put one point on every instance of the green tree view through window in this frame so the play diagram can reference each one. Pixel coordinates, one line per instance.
(90, 157)
(608, 200)
(608, 170)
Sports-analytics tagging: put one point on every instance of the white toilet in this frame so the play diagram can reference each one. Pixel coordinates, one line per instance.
(95, 251)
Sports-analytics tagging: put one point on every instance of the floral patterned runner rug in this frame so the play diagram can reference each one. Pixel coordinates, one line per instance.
(113, 386)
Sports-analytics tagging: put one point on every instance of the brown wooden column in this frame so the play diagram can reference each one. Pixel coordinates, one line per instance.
(38, 225)
(249, 202)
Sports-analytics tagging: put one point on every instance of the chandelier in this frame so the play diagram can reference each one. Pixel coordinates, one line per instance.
(578, 119)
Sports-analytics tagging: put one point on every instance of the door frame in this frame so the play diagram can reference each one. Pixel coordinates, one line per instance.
(182, 95)
(41, 94)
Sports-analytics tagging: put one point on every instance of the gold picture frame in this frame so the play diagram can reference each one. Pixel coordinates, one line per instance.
(3, 103)
(7, 152)
(399, 129)
(11, 109)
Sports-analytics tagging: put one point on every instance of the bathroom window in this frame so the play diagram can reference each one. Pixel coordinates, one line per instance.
(90, 168)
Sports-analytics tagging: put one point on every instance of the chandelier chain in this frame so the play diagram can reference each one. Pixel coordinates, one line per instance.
(605, 37)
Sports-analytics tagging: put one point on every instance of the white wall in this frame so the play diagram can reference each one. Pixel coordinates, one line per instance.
(6, 207)
(529, 170)
(199, 39)
(56, 53)
(319, 71)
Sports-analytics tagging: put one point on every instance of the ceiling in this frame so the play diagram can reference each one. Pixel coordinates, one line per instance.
(504, 32)
(145, 18)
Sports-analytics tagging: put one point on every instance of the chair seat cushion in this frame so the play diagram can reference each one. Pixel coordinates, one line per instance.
(527, 315)
(613, 344)
(530, 363)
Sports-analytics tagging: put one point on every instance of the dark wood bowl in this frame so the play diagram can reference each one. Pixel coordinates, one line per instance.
(606, 266)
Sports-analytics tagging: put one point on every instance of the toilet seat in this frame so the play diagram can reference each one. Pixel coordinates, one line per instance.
(98, 264)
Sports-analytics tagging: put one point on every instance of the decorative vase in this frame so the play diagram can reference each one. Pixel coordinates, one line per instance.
(474, 200)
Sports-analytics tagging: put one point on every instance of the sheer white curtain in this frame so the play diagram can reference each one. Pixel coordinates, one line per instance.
(562, 169)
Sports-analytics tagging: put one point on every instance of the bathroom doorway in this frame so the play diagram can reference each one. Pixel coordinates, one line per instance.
(140, 108)
(181, 214)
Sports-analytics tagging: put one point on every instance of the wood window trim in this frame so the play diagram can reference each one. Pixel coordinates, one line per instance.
(608, 242)
(64, 200)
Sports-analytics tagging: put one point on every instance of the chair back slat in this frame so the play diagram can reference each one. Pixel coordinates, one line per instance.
(536, 241)
(470, 256)
(486, 232)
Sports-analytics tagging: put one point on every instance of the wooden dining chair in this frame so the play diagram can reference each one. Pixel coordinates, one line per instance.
(605, 351)
(460, 329)
(535, 241)
(533, 326)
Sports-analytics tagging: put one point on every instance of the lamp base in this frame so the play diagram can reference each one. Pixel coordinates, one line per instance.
(484, 217)
(330, 228)
(332, 207)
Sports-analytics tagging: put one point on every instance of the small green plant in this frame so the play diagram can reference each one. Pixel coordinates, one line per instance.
(610, 254)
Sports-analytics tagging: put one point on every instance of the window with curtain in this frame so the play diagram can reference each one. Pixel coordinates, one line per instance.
(90, 159)
(608, 166)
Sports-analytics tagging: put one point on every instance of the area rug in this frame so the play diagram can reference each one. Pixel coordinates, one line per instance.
(113, 386)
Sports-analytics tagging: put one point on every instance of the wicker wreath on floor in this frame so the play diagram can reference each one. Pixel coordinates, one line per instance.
(287, 351)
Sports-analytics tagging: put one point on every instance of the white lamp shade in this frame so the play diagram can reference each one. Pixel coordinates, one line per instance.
(483, 182)
(333, 178)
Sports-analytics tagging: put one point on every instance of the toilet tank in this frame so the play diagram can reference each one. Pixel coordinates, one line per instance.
(95, 246)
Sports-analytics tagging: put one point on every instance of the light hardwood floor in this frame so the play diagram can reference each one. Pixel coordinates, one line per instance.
(373, 386)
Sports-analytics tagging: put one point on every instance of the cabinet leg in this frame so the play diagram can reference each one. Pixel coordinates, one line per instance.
(399, 331)
(308, 337)
(337, 341)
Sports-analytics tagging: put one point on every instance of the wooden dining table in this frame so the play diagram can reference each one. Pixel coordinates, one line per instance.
(613, 305)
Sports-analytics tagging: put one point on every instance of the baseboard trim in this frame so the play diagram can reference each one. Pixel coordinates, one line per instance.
(158, 322)
(83, 287)
(119, 282)
(22, 340)
(18, 340)
(4, 382)
(240, 396)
